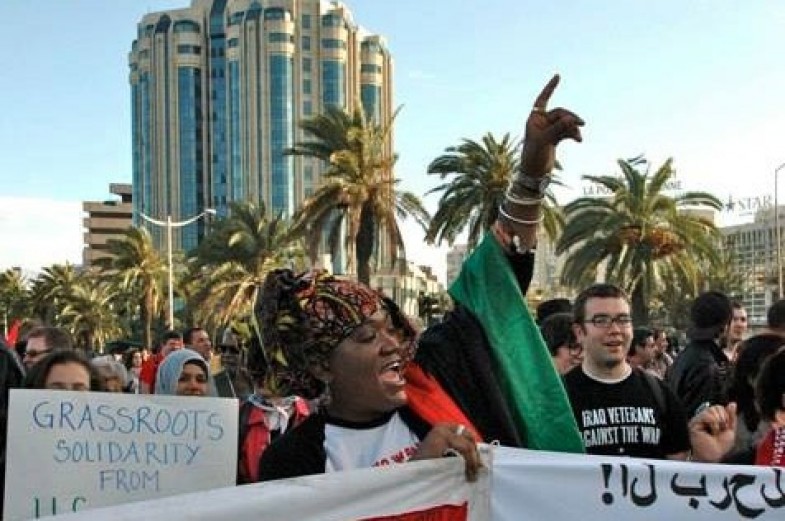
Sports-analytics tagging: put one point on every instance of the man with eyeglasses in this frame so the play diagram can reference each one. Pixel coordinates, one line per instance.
(41, 341)
(620, 411)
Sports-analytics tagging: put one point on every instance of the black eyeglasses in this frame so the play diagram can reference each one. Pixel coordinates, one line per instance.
(606, 321)
(33, 353)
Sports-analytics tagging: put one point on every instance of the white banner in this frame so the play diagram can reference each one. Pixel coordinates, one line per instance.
(432, 490)
(542, 485)
(519, 485)
(70, 451)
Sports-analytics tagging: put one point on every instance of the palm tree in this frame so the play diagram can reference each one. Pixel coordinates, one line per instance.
(483, 171)
(51, 289)
(639, 238)
(14, 296)
(137, 269)
(358, 189)
(234, 259)
(89, 313)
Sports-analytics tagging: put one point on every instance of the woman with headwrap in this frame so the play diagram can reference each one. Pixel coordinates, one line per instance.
(184, 373)
(336, 338)
(483, 374)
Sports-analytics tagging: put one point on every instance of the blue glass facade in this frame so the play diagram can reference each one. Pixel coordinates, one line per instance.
(333, 83)
(217, 97)
(217, 106)
(370, 96)
(235, 143)
(145, 142)
(189, 93)
(282, 133)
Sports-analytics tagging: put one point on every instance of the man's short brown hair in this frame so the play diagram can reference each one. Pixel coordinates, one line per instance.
(54, 337)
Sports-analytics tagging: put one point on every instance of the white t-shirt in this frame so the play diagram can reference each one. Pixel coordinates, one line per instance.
(359, 448)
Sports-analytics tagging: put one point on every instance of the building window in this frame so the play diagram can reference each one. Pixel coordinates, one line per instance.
(306, 86)
(306, 64)
(307, 108)
(189, 49)
(371, 46)
(369, 67)
(280, 38)
(233, 42)
(332, 20)
(236, 18)
(275, 14)
(306, 21)
(306, 43)
(186, 26)
(332, 43)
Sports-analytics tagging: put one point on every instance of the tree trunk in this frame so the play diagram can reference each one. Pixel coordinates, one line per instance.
(364, 245)
(147, 318)
(640, 306)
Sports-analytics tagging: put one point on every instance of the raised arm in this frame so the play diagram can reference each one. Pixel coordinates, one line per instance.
(521, 211)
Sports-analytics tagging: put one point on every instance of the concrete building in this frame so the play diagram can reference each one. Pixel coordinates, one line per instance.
(218, 91)
(406, 283)
(754, 251)
(455, 258)
(105, 220)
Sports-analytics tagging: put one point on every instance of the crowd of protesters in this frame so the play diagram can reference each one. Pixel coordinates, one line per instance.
(336, 377)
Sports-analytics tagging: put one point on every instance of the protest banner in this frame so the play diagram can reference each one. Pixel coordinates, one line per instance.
(533, 485)
(70, 451)
(518, 485)
(430, 490)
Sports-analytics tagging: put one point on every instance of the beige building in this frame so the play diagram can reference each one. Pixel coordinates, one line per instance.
(105, 220)
(405, 284)
(754, 251)
(455, 258)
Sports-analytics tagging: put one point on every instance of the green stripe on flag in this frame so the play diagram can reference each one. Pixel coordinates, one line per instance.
(534, 392)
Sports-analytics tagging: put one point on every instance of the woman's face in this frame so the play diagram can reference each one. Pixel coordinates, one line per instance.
(365, 371)
(69, 376)
(192, 381)
(110, 381)
(136, 359)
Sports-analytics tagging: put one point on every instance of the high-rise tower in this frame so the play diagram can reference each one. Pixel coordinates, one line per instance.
(218, 90)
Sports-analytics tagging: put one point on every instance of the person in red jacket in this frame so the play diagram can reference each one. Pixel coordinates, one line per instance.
(172, 341)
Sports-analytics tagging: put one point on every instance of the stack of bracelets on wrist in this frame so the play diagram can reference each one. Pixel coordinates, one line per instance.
(511, 198)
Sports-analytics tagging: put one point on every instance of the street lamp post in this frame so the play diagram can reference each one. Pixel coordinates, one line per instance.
(777, 232)
(169, 224)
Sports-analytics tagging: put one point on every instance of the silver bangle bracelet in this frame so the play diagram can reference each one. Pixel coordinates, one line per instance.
(525, 201)
(516, 220)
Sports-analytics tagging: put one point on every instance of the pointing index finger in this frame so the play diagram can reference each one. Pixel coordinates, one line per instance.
(542, 100)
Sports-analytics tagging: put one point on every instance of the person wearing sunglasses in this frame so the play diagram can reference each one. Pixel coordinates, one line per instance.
(43, 340)
(620, 411)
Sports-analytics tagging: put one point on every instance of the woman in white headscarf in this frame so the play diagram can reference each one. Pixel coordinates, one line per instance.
(184, 373)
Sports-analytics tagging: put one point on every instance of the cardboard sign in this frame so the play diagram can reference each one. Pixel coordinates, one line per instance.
(70, 451)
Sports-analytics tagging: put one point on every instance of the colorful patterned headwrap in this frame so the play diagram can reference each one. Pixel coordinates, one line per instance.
(302, 318)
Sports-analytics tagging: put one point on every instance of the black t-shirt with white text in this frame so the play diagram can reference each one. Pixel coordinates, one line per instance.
(623, 418)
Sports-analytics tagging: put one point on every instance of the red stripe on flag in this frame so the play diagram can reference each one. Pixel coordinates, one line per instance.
(440, 513)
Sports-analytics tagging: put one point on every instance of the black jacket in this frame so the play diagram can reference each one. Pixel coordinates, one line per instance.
(699, 376)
